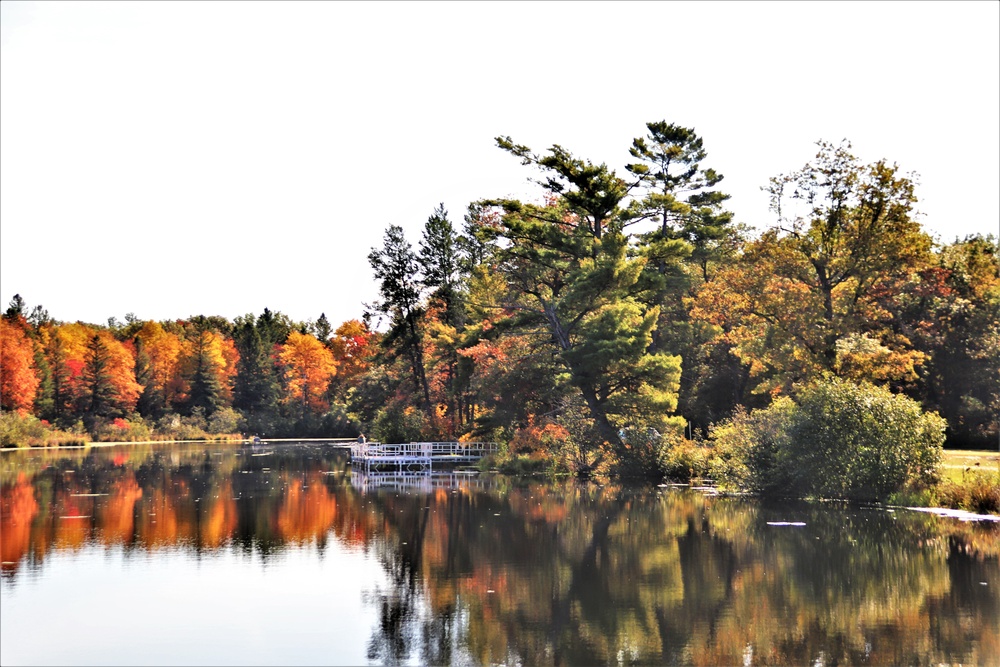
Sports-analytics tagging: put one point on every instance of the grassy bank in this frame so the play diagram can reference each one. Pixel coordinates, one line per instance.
(957, 461)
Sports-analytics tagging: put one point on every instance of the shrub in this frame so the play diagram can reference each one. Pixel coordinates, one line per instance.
(339, 423)
(175, 427)
(133, 429)
(685, 460)
(752, 450)
(839, 440)
(646, 452)
(225, 420)
(17, 430)
(543, 436)
(525, 464)
(984, 492)
(979, 491)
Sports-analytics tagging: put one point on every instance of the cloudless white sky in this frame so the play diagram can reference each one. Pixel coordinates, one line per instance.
(174, 159)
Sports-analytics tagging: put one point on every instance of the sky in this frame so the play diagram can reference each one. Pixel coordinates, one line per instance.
(175, 159)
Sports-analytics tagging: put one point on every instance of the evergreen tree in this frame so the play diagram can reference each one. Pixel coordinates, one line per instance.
(152, 402)
(55, 352)
(39, 316)
(45, 396)
(97, 379)
(569, 274)
(15, 309)
(397, 269)
(256, 388)
(322, 329)
(679, 194)
(273, 328)
(439, 262)
(206, 388)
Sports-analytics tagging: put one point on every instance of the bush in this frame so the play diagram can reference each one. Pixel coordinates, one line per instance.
(978, 492)
(17, 430)
(175, 427)
(525, 464)
(685, 460)
(752, 450)
(225, 421)
(839, 440)
(133, 429)
(646, 453)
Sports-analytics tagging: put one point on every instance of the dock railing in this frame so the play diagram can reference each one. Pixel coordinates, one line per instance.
(422, 453)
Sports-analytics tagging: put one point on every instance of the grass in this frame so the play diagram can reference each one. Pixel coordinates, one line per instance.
(970, 480)
(956, 461)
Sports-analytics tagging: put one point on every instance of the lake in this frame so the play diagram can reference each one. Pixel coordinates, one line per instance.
(278, 554)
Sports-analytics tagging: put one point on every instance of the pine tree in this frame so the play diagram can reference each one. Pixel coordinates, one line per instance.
(569, 274)
(323, 330)
(439, 261)
(256, 388)
(397, 269)
(206, 388)
(97, 379)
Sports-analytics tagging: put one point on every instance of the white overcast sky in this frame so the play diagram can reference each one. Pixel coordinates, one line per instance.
(182, 158)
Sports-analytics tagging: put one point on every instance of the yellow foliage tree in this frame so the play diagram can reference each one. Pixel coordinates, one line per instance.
(308, 368)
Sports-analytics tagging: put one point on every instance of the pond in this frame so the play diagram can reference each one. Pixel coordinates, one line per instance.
(278, 554)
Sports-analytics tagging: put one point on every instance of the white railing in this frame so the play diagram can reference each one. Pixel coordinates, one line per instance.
(369, 451)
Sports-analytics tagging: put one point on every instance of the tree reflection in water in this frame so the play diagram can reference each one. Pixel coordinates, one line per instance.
(494, 571)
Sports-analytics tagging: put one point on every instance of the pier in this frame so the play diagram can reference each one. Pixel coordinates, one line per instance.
(417, 456)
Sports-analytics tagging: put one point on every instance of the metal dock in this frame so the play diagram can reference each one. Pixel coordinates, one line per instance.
(416, 456)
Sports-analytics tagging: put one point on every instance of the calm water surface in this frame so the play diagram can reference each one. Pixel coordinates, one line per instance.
(221, 554)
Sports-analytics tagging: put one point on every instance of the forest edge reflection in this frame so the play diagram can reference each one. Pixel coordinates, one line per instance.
(496, 570)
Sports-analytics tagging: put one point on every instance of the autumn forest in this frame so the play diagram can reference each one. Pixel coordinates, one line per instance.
(617, 309)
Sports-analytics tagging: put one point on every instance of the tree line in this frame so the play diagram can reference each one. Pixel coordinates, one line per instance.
(616, 307)
(261, 374)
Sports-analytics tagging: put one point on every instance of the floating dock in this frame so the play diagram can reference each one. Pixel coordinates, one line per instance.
(417, 456)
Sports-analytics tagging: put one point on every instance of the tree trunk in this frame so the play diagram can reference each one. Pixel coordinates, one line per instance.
(417, 359)
(597, 412)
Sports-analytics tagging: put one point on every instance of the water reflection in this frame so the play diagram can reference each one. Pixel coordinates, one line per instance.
(487, 570)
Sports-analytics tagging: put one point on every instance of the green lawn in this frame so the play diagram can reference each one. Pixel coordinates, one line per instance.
(955, 461)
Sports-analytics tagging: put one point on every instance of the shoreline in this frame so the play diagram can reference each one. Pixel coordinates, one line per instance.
(221, 441)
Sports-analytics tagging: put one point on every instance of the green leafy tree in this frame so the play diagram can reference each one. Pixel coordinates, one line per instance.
(952, 314)
(805, 299)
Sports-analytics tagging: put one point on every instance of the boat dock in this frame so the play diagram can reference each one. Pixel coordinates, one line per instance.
(416, 456)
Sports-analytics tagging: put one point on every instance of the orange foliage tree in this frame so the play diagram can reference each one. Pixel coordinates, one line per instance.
(18, 379)
(308, 368)
(160, 351)
(353, 345)
(66, 353)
